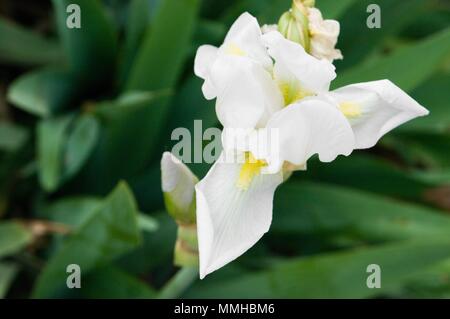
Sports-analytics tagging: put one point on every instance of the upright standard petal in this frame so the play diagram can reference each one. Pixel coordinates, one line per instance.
(243, 43)
(298, 74)
(312, 126)
(249, 98)
(244, 39)
(234, 210)
(375, 108)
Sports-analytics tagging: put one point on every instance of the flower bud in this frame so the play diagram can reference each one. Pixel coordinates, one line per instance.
(294, 24)
(305, 25)
(178, 185)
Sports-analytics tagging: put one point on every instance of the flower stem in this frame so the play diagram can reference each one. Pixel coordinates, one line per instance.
(179, 283)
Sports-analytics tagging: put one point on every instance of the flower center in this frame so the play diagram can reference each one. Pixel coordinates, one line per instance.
(292, 92)
(249, 170)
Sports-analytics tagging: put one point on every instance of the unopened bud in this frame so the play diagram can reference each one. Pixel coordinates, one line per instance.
(178, 185)
(294, 24)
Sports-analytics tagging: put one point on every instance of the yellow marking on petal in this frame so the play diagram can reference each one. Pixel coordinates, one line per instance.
(249, 170)
(292, 92)
(351, 110)
(234, 49)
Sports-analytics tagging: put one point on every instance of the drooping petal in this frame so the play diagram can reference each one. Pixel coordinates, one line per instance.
(249, 98)
(204, 59)
(312, 126)
(293, 64)
(232, 218)
(375, 108)
(324, 36)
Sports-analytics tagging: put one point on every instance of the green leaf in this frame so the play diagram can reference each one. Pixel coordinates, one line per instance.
(207, 32)
(431, 283)
(137, 23)
(156, 250)
(189, 105)
(8, 272)
(110, 232)
(435, 96)
(423, 149)
(113, 283)
(24, 47)
(44, 92)
(357, 41)
(397, 66)
(71, 211)
(91, 49)
(13, 238)
(332, 9)
(12, 137)
(147, 223)
(335, 212)
(75, 211)
(129, 125)
(52, 136)
(355, 171)
(336, 275)
(81, 141)
(160, 59)
(165, 47)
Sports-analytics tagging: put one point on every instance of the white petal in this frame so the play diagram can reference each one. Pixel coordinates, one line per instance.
(245, 34)
(204, 59)
(310, 127)
(230, 220)
(291, 60)
(177, 180)
(249, 98)
(268, 28)
(383, 106)
(243, 45)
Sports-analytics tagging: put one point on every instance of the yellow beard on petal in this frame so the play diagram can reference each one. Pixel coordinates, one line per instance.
(249, 170)
(292, 92)
(351, 110)
(233, 49)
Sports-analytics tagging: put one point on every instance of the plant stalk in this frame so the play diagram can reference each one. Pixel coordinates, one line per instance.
(179, 283)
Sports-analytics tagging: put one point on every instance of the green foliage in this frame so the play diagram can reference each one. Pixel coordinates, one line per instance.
(91, 47)
(8, 271)
(44, 92)
(110, 231)
(12, 137)
(159, 61)
(24, 47)
(92, 108)
(112, 283)
(337, 275)
(13, 238)
(359, 216)
(397, 66)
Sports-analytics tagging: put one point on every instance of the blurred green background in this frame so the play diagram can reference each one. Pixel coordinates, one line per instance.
(86, 114)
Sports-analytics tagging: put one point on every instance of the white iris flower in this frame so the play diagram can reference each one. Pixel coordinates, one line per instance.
(264, 82)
